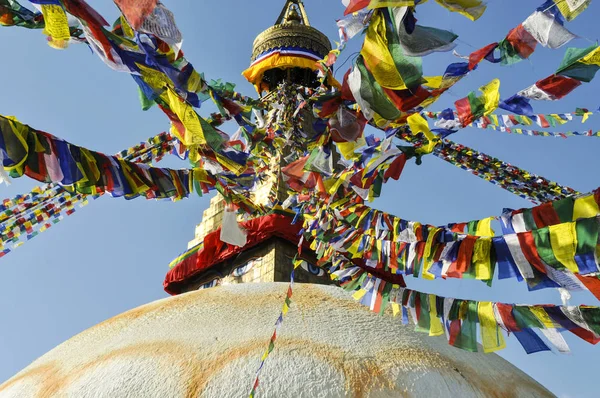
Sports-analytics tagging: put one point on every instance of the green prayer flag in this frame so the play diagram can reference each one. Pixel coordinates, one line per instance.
(374, 95)
(467, 339)
(571, 67)
(587, 235)
(564, 209)
(544, 248)
(424, 323)
(525, 318)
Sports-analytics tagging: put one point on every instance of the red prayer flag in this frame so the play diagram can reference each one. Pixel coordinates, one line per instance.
(356, 5)
(463, 108)
(463, 260)
(454, 331)
(558, 86)
(522, 41)
(527, 243)
(477, 56)
(508, 320)
(592, 283)
(136, 11)
(545, 215)
(405, 100)
(395, 169)
(543, 121)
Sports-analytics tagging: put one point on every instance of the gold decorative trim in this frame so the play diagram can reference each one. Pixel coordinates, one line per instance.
(291, 35)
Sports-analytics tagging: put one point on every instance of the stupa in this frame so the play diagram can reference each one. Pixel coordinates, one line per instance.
(207, 340)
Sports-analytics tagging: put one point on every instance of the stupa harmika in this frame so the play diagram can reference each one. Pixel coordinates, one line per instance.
(207, 342)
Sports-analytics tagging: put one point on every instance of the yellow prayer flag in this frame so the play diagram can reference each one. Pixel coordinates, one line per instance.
(377, 56)
(481, 259)
(543, 317)
(395, 309)
(359, 294)
(491, 96)
(427, 255)
(347, 148)
(585, 207)
(526, 121)
(56, 25)
(90, 162)
(558, 119)
(127, 29)
(265, 355)
(435, 325)
(353, 249)
(570, 9)
(193, 83)
(338, 182)
(563, 239)
(194, 135)
(232, 166)
(200, 175)
(21, 133)
(154, 78)
(418, 124)
(484, 227)
(433, 82)
(472, 9)
(491, 336)
(391, 3)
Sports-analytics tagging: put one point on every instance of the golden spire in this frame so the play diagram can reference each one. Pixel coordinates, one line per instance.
(292, 29)
(290, 13)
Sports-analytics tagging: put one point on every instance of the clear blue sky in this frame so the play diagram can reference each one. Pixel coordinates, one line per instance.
(112, 255)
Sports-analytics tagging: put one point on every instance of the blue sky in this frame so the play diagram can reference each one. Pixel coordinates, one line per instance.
(112, 255)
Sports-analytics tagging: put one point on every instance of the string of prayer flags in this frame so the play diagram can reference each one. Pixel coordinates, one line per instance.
(508, 121)
(578, 65)
(287, 302)
(380, 83)
(146, 44)
(30, 225)
(518, 181)
(26, 216)
(463, 321)
(512, 178)
(551, 245)
(537, 133)
(49, 159)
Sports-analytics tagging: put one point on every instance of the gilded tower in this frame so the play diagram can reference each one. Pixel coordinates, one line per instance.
(287, 52)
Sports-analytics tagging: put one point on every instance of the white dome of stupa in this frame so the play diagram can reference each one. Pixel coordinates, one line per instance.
(208, 343)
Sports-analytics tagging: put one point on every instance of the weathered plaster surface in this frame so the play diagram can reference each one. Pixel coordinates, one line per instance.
(208, 344)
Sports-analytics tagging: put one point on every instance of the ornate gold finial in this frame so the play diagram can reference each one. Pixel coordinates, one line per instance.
(293, 17)
(292, 29)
